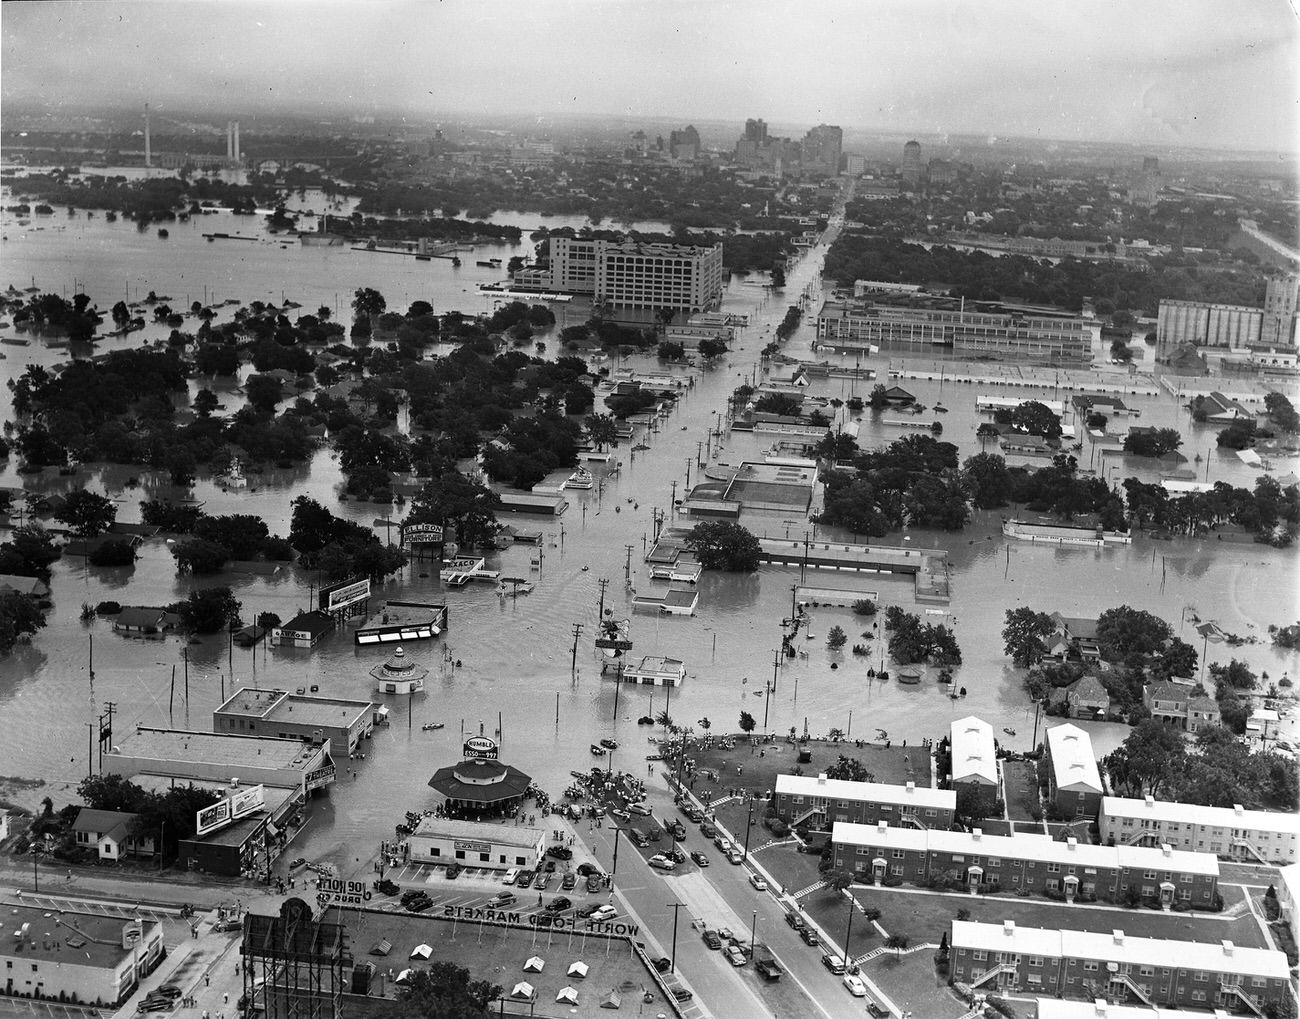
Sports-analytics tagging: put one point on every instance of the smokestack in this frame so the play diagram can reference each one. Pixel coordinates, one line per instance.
(237, 155)
(148, 151)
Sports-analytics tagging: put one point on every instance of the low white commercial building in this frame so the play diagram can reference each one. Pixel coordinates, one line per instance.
(1263, 836)
(476, 844)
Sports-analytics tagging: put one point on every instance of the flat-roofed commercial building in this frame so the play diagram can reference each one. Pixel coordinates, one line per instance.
(1074, 781)
(1007, 958)
(218, 757)
(634, 275)
(1264, 836)
(974, 755)
(855, 326)
(1032, 863)
(77, 957)
(1207, 325)
(800, 797)
(476, 843)
(344, 723)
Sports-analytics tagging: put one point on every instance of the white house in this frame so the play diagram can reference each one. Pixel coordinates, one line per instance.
(108, 832)
(974, 758)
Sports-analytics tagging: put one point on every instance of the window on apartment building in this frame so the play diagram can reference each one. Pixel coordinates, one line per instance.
(958, 858)
(896, 870)
(1036, 960)
(1149, 875)
(994, 861)
(796, 799)
(1052, 884)
(979, 955)
(898, 854)
(1258, 982)
(1089, 966)
(862, 851)
(1053, 868)
(1146, 971)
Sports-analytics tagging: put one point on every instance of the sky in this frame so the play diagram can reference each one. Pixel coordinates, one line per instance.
(1217, 73)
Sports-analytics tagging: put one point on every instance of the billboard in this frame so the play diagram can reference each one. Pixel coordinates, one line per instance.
(340, 596)
(332, 891)
(481, 748)
(246, 801)
(209, 819)
(422, 534)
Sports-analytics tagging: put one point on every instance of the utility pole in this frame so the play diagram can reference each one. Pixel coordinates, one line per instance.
(688, 475)
(627, 566)
(776, 663)
(185, 653)
(573, 660)
(699, 454)
(603, 584)
(848, 933)
(674, 505)
(676, 907)
(90, 750)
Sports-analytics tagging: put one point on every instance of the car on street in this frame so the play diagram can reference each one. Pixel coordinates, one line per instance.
(725, 934)
(708, 831)
(721, 842)
(166, 991)
(682, 994)
(712, 940)
(834, 963)
(693, 813)
(639, 838)
(700, 859)
(156, 1004)
(558, 904)
(735, 956)
(542, 880)
(758, 882)
(654, 834)
(677, 830)
(661, 862)
(663, 964)
(588, 910)
(855, 986)
(596, 811)
(501, 899)
(559, 852)
(605, 912)
(810, 937)
(568, 881)
(795, 921)
(621, 815)
(734, 855)
(639, 808)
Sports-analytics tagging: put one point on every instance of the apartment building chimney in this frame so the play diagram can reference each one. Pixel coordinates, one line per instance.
(1166, 849)
(1008, 927)
(1099, 1008)
(911, 787)
(1238, 809)
(1149, 800)
(882, 827)
(821, 779)
(1072, 843)
(977, 833)
(1227, 949)
(1118, 937)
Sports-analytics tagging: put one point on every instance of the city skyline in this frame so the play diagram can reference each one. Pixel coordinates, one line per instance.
(1159, 74)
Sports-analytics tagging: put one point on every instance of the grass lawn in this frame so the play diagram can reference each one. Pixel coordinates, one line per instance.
(924, 917)
(913, 984)
(1021, 782)
(793, 869)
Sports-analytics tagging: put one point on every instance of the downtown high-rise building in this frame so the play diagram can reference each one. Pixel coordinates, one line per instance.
(822, 147)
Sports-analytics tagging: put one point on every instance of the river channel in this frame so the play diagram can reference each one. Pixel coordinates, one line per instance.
(515, 654)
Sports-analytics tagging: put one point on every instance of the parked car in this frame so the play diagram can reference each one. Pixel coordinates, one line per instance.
(543, 880)
(501, 899)
(510, 876)
(712, 940)
(525, 878)
(385, 887)
(795, 921)
(638, 837)
(662, 862)
(605, 912)
(663, 964)
(700, 859)
(559, 852)
(722, 842)
(734, 855)
(834, 963)
(677, 830)
(855, 985)
(558, 904)
(708, 831)
(682, 994)
(639, 808)
(588, 910)
(654, 834)
(809, 937)
(735, 956)
(453, 871)
(758, 882)
(569, 881)
(675, 854)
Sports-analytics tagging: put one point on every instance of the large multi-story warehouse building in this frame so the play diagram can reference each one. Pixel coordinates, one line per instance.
(1032, 863)
(854, 326)
(1156, 972)
(76, 957)
(1274, 326)
(803, 797)
(688, 278)
(1264, 836)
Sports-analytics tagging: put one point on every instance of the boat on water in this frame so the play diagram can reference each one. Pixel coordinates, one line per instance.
(609, 744)
(234, 477)
(424, 258)
(598, 751)
(485, 264)
(433, 726)
(639, 447)
(581, 478)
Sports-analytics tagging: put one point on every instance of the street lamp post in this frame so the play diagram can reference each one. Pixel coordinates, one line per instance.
(753, 928)
(614, 869)
(676, 907)
(748, 827)
(849, 932)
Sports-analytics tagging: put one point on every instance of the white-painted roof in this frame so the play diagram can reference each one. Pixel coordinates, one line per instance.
(1073, 762)
(1288, 886)
(1120, 948)
(973, 754)
(869, 792)
(1061, 1008)
(1040, 848)
(1287, 822)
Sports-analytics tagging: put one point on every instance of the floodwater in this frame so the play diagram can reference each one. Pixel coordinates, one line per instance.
(515, 654)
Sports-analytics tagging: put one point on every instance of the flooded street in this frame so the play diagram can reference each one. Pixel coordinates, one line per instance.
(515, 654)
